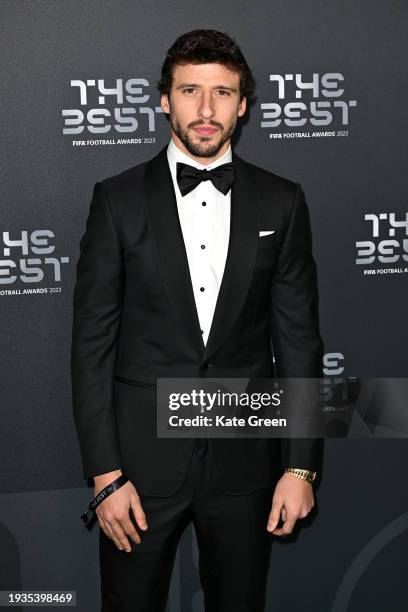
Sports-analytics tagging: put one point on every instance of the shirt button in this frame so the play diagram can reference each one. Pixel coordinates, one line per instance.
(202, 331)
(204, 203)
(203, 246)
(201, 288)
(207, 365)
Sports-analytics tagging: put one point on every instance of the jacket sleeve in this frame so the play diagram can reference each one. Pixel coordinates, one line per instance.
(97, 302)
(297, 344)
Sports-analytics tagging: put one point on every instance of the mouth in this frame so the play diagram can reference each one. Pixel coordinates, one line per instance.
(205, 130)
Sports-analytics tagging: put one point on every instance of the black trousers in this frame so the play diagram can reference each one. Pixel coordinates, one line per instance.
(234, 546)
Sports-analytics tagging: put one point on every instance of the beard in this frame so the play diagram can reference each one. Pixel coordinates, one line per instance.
(202, 147)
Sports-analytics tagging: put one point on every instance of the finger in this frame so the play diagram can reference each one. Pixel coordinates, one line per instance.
(274, 515)
(109, 534)
(130, 530)
(115, 541)
(287, 528)
(120, 535)
(138, 513)
(104, 526)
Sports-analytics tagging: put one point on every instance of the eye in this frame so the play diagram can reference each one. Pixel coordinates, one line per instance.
(224, 91)
(188, 89)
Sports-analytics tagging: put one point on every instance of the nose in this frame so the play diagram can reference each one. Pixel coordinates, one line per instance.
(206, 107)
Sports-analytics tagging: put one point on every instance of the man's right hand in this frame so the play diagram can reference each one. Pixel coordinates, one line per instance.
(113, 512)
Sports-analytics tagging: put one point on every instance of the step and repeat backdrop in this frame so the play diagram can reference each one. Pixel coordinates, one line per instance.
(80, 103)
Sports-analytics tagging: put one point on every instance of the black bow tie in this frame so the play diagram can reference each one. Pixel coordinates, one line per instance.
(188, 177)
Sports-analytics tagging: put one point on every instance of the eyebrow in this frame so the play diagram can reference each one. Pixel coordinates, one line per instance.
(198, 85)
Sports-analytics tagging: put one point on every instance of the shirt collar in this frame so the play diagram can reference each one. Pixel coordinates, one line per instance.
(174, 155)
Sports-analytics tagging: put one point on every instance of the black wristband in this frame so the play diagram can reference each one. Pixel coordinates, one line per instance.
(108, 490)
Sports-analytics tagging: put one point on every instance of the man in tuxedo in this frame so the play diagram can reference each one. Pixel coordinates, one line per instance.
(195, 263)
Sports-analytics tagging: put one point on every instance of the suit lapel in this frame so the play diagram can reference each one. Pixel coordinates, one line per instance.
(240, 262)
(162, 215)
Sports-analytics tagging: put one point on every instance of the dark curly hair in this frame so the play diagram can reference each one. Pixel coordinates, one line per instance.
(202, 47)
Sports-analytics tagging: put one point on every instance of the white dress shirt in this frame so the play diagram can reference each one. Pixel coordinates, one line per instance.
(204, 215)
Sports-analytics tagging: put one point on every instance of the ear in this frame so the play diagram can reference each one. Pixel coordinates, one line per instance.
(164, 101)
(242, 107)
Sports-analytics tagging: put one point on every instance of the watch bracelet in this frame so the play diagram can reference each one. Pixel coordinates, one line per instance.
(307, 475)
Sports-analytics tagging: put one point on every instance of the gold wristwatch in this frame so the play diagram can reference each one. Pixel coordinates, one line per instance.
(305, 474)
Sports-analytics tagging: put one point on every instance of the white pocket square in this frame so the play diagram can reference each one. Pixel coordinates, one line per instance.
(266, 233)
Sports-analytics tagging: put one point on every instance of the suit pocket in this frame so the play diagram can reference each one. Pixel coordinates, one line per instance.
(267, 241)
(267, 252)
(135, 383)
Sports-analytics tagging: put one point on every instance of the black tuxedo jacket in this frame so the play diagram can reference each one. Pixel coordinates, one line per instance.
(135, 319)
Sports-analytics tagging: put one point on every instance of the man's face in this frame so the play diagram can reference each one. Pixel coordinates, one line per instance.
(204, 107)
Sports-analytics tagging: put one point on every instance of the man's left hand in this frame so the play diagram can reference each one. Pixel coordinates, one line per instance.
(292, 499)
